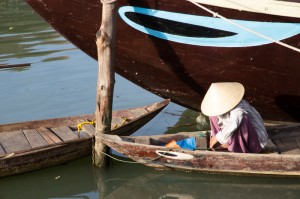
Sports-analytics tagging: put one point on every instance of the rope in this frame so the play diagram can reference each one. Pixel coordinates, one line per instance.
(242, 27)
(124, 120)
(131, 162)
(79, 126)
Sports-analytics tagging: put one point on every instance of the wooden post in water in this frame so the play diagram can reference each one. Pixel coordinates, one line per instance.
(106, 79)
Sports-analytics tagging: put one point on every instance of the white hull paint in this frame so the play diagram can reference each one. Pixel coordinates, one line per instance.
(272, 7)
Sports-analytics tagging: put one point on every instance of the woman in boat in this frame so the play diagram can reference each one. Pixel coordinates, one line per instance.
(235, 124)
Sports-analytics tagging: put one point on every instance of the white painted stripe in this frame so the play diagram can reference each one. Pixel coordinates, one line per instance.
(273, 7)
(174, 155)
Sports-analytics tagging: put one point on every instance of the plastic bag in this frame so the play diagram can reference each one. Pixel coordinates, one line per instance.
(188, 143)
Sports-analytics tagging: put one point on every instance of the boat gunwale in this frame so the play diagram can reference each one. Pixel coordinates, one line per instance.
(270, 164)
(206, 152)
(4, 128)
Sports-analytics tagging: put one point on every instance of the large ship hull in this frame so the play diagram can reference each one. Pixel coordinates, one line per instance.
(176, 49)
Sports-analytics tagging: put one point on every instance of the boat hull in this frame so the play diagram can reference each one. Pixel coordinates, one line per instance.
(152, 56)
(150, 151)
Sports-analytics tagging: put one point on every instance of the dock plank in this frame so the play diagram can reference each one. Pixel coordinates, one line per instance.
(49, 136)
(14, 141)
(35, 138)
(64, 133)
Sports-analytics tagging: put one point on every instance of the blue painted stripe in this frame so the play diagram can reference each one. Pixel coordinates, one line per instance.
(243, 38)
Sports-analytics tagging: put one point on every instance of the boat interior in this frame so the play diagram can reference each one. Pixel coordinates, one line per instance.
(44, 133)
(283, 138)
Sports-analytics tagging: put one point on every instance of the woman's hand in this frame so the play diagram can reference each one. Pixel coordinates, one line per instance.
(213, 141)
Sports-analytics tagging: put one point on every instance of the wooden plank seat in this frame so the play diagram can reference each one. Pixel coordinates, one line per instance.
(30, 139)
(14, 141)
(34, 138)
(49, 136)
(64, 133)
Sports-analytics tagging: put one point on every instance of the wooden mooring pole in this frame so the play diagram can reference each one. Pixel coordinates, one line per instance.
(106, 79)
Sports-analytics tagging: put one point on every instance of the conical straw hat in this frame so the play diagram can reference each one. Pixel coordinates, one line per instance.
(221, 98)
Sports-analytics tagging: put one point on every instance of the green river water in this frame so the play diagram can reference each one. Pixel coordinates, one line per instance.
(61, 81)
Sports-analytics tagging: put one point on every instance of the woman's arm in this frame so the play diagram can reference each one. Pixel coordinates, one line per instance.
(231, 124)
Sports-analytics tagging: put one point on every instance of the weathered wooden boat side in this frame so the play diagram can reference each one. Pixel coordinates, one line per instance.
(150, 150)
(33, 145)
(148, 54)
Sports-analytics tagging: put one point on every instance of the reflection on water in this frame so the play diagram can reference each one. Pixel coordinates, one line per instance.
(188, 122)
(123, 180)
(61, 80)
(117, 182)
(23, 34)
(57, 182)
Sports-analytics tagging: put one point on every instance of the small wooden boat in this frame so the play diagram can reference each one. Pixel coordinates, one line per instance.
(33, 145)
(280, 158)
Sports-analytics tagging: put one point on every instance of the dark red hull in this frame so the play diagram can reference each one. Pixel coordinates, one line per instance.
(183, 72)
